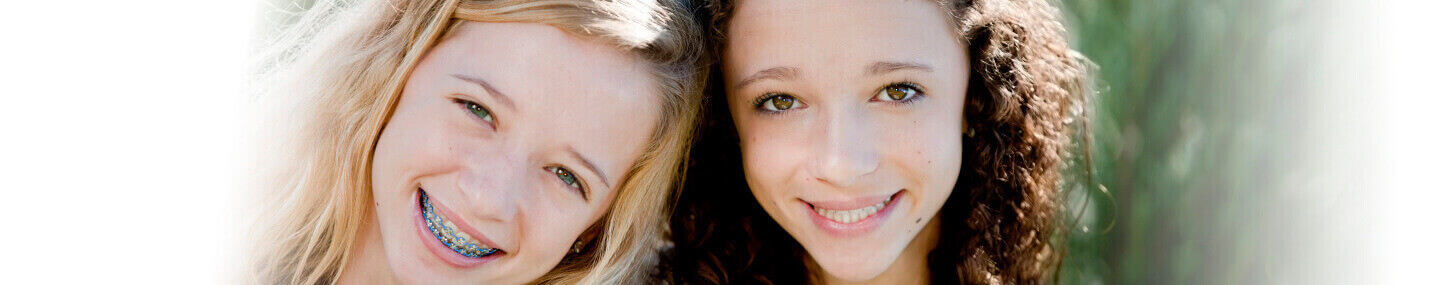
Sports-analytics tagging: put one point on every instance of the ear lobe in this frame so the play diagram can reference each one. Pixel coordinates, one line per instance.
(964, 125)
(590, 236)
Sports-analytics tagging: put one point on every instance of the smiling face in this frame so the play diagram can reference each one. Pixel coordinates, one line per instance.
(850, 118)
(507, 143)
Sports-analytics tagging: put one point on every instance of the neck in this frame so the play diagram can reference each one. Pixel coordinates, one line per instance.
(912, 266)
(367, 262)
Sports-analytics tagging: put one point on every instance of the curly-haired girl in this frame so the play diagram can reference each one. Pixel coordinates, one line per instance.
(893, 142)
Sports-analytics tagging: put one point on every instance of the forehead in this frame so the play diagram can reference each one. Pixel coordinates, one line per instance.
(568, 90)
(827, 33)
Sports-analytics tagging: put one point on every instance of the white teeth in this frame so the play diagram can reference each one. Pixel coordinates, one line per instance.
(851, 216)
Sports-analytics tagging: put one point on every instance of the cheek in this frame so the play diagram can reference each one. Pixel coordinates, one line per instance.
(415, 147)
(551, 229)
(937, 146)
(935, 156)
(409, 147)
(771, 158)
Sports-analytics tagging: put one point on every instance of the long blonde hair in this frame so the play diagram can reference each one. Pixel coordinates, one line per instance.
(338, 73)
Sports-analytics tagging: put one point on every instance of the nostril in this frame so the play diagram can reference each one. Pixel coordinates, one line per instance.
(844, 170)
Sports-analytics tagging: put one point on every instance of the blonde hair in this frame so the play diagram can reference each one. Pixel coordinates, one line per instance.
(342, 68)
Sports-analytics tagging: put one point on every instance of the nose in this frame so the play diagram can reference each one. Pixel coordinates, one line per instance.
(494, 186)
(845, 149)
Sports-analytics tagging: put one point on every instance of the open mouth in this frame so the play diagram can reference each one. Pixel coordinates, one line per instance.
(451, 235)
(855, 216)
(852, 215)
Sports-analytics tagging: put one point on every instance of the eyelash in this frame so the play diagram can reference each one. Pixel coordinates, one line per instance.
(470, 107)
(759, 103)
(919, 93)
(578, 184)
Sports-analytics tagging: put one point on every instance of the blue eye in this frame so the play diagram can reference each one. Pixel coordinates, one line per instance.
(569, 179)
(898, 92)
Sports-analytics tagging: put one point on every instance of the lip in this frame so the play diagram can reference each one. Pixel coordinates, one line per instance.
(861, 227)
(443, 252)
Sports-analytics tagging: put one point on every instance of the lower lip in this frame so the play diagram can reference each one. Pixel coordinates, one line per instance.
(441, 251)
(861, 227)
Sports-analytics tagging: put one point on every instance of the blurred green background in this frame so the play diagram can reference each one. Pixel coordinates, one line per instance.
(1195, 103)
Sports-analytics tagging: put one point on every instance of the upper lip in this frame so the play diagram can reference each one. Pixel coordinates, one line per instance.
(850, 204)
(459, 222)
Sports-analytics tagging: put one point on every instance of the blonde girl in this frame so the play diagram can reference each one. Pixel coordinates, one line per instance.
(493, 142)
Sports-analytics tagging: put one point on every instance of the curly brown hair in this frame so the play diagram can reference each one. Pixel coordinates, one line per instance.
(1000, 226)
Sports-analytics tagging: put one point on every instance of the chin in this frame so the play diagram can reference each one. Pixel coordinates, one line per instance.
(853, 269)
(409, 267)
(853, 263)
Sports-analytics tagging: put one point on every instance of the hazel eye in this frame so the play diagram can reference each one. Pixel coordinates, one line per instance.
(478, 111)
(567, 177)
(779, 102)
(898, 92)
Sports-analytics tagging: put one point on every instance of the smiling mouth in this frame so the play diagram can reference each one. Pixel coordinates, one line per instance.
(450, 235)
(852, 215)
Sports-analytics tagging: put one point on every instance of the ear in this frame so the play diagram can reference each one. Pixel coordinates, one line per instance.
(590, 236)
(964, 126)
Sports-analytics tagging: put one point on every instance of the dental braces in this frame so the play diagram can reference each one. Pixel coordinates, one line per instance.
(446, 234)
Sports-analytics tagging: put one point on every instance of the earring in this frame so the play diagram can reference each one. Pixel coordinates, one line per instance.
(970, 133)
(577, 246)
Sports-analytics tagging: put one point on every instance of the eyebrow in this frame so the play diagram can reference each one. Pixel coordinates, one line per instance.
(789, 73)
(589, 164)
(774, 73)
(883, 67)
(498, 96)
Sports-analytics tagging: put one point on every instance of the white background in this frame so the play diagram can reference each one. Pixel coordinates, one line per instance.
(1406, 70)
(122, 137)
(120, 140)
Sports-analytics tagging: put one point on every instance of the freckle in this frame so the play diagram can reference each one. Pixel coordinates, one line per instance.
(917, 220)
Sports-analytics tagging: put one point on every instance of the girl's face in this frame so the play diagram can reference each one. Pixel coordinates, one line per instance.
(510, 139)
(850, 119)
